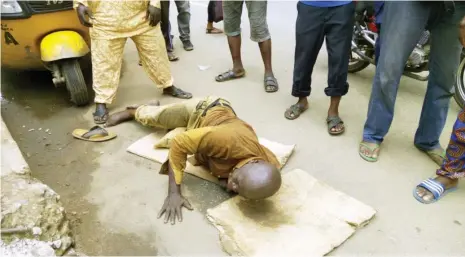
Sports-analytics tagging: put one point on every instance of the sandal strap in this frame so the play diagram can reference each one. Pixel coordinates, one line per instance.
(334, 121)
(433, 186)
(95, 130)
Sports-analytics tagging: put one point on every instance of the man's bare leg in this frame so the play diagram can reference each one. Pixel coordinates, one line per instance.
(271, 84)
(238, 69)
(126, 115)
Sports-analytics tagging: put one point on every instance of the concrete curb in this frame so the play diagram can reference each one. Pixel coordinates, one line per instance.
(33, 221)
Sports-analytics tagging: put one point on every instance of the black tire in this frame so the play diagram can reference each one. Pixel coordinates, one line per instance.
(459, 95)
(357, 66)
(75, 82)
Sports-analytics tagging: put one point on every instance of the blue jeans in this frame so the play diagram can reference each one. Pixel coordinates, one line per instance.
(403, 23)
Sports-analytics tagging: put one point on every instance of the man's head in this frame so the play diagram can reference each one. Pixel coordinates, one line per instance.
(255, 180)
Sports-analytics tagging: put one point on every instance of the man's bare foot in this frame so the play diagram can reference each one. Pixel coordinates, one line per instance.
(428, 196)
(120, 117)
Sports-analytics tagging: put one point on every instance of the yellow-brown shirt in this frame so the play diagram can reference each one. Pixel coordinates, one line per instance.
(222, 143)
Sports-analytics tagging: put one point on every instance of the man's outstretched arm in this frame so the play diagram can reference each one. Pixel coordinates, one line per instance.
(182, 145)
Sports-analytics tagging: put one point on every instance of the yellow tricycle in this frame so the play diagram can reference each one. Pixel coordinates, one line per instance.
(47, 34)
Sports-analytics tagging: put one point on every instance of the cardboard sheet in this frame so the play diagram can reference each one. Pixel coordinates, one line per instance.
(305, 218)
(144, 147)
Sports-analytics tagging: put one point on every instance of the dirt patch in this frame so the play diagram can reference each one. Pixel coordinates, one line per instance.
(40, 119)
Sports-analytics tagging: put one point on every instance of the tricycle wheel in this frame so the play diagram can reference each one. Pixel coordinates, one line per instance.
(75, 82)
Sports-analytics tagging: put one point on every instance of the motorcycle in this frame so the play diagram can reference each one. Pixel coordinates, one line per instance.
(364, 38)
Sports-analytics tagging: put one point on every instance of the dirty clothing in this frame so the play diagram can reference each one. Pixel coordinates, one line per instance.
(232, 12)
(315, 23)
(454, 163)
(215, 136)
(113, 23)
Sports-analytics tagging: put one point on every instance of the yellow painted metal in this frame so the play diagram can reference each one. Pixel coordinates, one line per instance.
(62, 45)
(24, 51)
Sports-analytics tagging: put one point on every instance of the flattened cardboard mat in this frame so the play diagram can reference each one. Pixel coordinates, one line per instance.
(305, 218)
(144, 147)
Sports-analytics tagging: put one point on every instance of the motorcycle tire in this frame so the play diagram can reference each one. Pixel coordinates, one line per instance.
(75, 83)
(357, 66)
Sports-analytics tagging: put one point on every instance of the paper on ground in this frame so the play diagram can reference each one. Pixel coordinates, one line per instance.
(144, 147)
(305, 218)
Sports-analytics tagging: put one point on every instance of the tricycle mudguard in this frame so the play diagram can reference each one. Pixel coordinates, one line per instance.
(62, 45)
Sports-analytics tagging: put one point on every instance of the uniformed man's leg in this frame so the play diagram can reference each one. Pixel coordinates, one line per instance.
(107, 57)
(152, 53)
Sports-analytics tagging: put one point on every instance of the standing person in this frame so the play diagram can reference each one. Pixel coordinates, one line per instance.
(317, 21)
(184, 18)
(112, 23)
(453, 167)
(232, 12)
(398, 41)
(166, 30)
(211, 17)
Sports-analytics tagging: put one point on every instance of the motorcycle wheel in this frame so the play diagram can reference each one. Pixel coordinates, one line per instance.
(356, 65)
(75, 82)
(459, 95)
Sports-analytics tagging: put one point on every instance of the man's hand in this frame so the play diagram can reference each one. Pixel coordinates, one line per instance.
(462, 32)
(153, 15)
(172, 207)
(82, 12)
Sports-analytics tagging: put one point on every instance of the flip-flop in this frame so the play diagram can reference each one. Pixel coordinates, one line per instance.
(436, 188)
(229, 75)
(172, 57)
(271, 84)
(370, 146)
(294, 111)
(437, 155)
(332, 123)
(95, 134)
(178, 93)
(100, 119)
(214, 31)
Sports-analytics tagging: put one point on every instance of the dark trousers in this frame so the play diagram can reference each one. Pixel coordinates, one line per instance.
(378, 44)
(165, 24)
(211, 11)
(315, 24)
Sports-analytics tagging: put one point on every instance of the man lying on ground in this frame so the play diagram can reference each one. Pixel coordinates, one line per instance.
(218, 139)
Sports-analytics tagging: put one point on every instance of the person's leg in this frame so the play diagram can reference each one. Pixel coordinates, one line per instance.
(211, 14)
(443, 62)
(152, 52)
(232, 11)
(259, 33)
(398, 43)
(451, 169)
(309, 36)
(184, 17)
(378, 44)
(338, 30)
(154, 115)
(165, 24)
(107, 57)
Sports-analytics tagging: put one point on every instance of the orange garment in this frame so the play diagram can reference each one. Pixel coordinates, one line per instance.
(222, 143)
